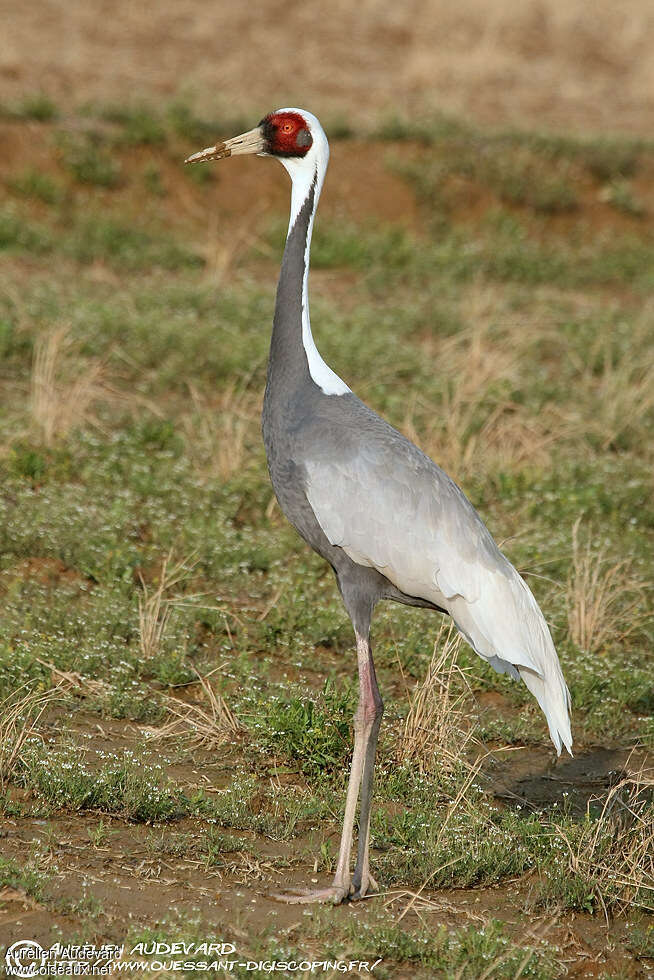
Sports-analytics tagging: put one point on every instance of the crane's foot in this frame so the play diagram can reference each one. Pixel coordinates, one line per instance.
(334, 894)
(337, 892)
(367, 887)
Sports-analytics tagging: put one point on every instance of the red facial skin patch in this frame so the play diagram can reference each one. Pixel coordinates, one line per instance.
(287, 134)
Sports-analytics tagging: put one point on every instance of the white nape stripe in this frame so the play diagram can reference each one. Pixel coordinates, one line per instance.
(304, 171)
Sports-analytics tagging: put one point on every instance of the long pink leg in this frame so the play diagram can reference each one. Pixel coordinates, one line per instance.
(363, 881)
(367, 719)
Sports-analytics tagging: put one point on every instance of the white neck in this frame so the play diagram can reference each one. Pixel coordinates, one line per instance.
(303, 172)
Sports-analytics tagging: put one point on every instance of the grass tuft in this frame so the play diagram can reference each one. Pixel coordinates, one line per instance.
(315, 733)
(435, 732)
(64, 387)
(206, 725)
(89, 161)
(38, 107)
(140, 125)
(155, 606)
(475, 952)
(20, 714)
(611, 858)
(123, 785)
(602, 596)
(33, 183)
(221, 434)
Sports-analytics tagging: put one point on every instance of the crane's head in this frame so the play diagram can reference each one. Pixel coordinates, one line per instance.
(290, 134)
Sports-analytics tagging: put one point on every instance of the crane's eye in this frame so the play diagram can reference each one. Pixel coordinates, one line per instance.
(287, 127)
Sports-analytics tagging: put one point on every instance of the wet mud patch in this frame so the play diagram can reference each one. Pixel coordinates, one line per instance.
(536, 778)
(139, 876)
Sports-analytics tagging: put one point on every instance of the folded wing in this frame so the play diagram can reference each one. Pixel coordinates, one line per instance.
(388, 506)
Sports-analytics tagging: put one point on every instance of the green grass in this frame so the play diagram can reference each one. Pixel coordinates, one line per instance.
(317, 737)
(32, 183)
(512, 340)
(123, 785)
(503, 249)
(465, 952)
(641, 941)
(38, 107)
(605, 158)
(94, 238)
(89, 160)
(27, 878)
(139, 124)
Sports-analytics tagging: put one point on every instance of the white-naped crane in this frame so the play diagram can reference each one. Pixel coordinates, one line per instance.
(388, 520)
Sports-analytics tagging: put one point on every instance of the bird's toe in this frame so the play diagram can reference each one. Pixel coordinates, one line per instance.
(334, 894)
(365, 889)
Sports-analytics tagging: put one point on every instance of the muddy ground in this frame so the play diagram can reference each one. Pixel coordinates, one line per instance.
(133, 880)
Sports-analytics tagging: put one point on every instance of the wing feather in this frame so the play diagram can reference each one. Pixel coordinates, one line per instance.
(391, 508)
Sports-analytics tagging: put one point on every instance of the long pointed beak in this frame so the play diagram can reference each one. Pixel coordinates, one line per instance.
(252, 142)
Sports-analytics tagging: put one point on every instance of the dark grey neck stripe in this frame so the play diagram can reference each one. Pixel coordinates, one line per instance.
(287, 353)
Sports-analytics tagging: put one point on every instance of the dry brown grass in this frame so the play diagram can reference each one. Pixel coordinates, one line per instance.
(615, 853)
(615, 392)
(223, 252)
(545, 61)
(507, 439)
(202, 726)
(64, 386)
(20, 714)
(436, 732)
(220, 435)
(478, 426)
(603, 596)
(155, 606)
(626, 399)
(73, 681)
